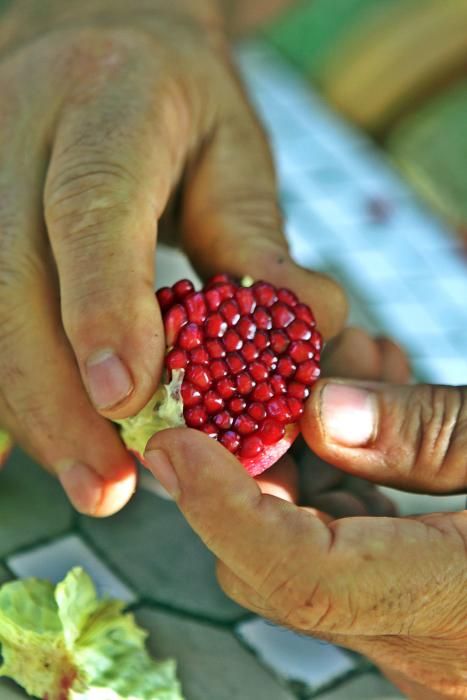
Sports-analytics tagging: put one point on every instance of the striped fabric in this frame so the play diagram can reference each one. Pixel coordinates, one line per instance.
(397, 68)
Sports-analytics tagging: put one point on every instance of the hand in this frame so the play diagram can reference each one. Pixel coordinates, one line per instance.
(112, 116)
(392, 589)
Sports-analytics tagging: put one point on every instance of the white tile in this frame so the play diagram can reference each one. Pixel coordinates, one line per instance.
(417, 504)
(52, 561)
(442, 370)
(294, 656)
(172, 265)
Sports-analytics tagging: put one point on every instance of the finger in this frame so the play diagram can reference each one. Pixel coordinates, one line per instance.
(281, 480)
(409, 437)
(195, 460)
(356, 355)
(231, 209)
(348, 577)
(42, 399)
(111, 173)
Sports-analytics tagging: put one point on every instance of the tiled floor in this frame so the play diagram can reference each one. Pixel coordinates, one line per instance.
(374, 237)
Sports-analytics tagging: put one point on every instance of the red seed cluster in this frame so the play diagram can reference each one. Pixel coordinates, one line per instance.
(250, 355)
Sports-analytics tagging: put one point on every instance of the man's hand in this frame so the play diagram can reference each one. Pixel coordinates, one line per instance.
(112, 116)
(392, 589)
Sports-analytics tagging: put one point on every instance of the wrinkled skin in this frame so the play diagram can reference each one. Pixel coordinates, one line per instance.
(394, 589)
(111, 119)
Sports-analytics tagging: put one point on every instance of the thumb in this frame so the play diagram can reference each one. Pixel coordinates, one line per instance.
(408, 437)
(231, 209)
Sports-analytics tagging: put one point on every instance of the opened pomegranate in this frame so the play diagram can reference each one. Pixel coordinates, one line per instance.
(240, 363)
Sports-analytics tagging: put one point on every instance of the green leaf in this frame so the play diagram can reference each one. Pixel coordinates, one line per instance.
(65, 640)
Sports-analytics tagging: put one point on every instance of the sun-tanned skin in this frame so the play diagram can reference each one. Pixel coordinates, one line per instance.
(110, 116)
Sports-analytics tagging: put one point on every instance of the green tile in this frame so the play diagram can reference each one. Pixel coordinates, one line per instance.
(212, 664)
(152, 547)
(4, 574)
(33, 506)
(10, 691)
(368, 686)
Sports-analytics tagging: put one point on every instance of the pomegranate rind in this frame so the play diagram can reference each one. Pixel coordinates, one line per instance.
(272, 453)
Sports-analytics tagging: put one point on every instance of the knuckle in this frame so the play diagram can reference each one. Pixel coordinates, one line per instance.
(86, 193)
(435, 428)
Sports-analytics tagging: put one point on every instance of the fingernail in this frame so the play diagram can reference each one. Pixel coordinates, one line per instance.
(349, 414)
(159, 465)
(108, 379)
(82, 485)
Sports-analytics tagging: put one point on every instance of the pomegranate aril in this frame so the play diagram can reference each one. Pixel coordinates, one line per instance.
(211, 430)
(300, 351)
(269, 358)
(174, 320)
(251, 446)
(215, 349)
(245, 383)
(235, 362)
(226, 388)
(249, 351)
(278, 384)
(245, 425)
(261, 339)
(262, 318)
(246, 300)
(282, 315)
(195, 417)
(316, 340)
(230, 311)
(199, 376)
(230, 440)
(237, 405)
(262, 392)
(191, 336)
(215, 326)
(265, 294)
(279, 341)
(218, 369)
(258, 371)
(232, 341)
(299, 330)
(196, 307)
(257, 411)
(307, 372)
(223, 420)
(226, 290)
(287, 297)
(217, 279)
(246, 328)
(165, 297)
(213, 402)
(200, 356)
(303, 313)
(295, 407)
(213, 299)
(298, 391)
(271, 431)
(285, 367)
(278, 408)
(176, 359)
(182, 288)
(191, 396)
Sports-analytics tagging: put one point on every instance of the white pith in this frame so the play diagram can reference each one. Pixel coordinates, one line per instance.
(164, 410)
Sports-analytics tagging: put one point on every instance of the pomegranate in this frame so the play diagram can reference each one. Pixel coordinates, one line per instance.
(241, 360)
